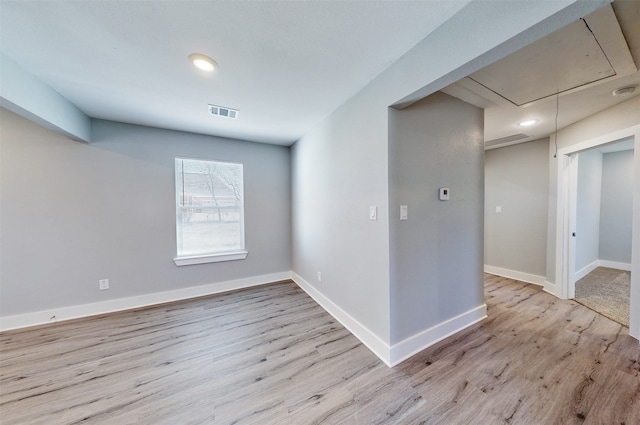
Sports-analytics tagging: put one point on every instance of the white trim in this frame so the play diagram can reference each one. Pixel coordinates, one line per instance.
(401, 351)
(368, 338)
(513, 274)
(210, 258)
(601, 140)
(418, 342)
(563, 221)
(549, 287)
(391, 356)
(615, 265)
(572, 209)
(587, 269)
(93, 309)
(602, 263)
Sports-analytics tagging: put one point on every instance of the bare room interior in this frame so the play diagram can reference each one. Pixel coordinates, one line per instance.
(589, 89)
(318, 212)
(604, 208)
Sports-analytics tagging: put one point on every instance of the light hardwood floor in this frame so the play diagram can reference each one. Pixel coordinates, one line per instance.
(271, 355)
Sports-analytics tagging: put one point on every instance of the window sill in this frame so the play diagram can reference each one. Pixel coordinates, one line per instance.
(212, 258)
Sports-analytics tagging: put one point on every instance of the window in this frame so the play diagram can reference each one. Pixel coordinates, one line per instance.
(209, 211)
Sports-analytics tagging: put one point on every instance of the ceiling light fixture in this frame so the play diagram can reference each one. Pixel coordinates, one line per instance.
(203, 62)
(527, 123)
(624, 91)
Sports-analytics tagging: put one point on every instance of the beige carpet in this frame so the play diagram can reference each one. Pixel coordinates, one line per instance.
(607, 292)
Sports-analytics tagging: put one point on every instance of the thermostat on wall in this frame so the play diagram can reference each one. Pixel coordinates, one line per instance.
(444, 193)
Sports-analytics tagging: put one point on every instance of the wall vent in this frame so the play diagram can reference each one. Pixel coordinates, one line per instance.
(223, 111)
(503, 140)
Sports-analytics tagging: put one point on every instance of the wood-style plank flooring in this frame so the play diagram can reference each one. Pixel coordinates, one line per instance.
(271, 355)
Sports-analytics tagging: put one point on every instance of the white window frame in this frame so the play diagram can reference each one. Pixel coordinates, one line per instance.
(205, 257)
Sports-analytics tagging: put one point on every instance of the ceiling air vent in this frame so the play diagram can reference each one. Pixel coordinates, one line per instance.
(504, 140)
(223, 111)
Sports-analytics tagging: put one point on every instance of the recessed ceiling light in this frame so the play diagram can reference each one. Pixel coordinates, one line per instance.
(527, 123)
(624, 91)
(203, 62)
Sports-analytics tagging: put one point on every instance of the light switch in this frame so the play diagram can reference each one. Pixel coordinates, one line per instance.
(403, 212)
(373, 212)
(498, 209)
(444, 193)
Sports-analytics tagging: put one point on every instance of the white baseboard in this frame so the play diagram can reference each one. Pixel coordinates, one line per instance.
(551, 288)
(513, 274)
(614, 265)
(368, 338)
(601, 263)
(93, 309)
(391, 356)
(418, 342)
(586, 270)
(401, 351)
(523, 277)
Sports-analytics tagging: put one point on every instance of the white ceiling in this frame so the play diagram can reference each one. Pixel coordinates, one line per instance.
(285, 65)
(584, 62)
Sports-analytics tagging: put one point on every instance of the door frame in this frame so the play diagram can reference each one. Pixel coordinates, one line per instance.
(567, 164)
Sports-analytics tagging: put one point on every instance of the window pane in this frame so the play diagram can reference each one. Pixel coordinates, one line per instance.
(209, 207)
(209, 236)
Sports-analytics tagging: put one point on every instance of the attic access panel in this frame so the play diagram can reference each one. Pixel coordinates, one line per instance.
(564, 60)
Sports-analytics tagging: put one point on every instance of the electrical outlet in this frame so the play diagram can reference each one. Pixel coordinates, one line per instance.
(319, 277)
(103, 284)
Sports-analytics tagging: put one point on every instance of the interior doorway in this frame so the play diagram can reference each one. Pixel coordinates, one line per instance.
(604, 206)
(567, 221)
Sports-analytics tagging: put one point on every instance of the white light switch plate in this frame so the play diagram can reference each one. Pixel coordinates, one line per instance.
(373, 212)
(404, 213)
(103, 284)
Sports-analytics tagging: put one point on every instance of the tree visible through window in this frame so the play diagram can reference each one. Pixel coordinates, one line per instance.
(209, 207)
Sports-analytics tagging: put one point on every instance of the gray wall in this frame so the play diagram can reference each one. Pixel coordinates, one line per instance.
(338, 171)
(436, 255)
(340, 167)
(73, 213)
(621, 116)
(517, 179)
(616, 210)
(589, 192)
(26, 95)
(625, 115)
